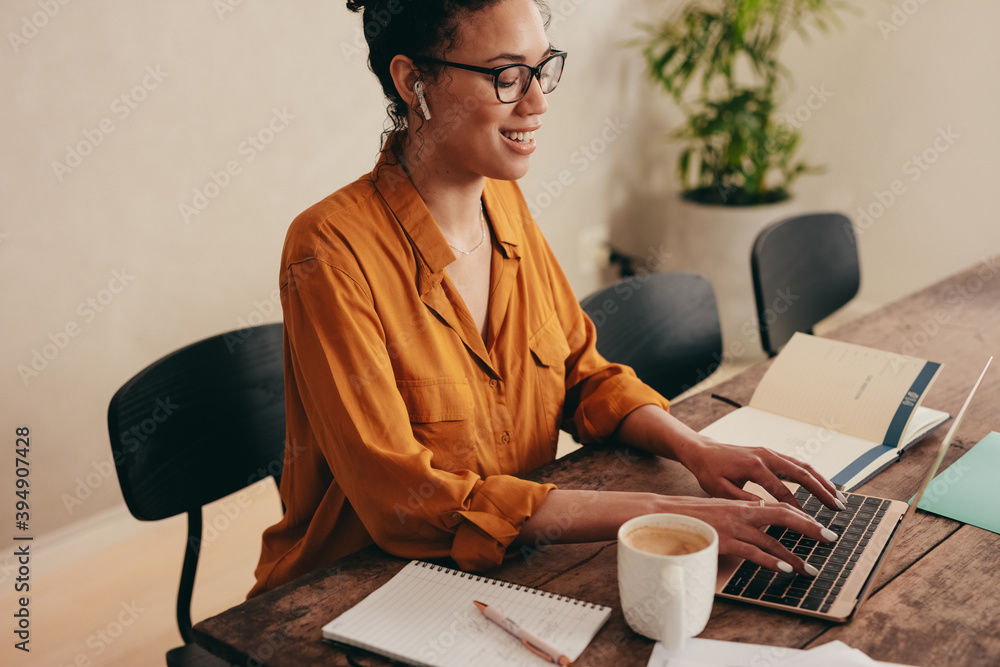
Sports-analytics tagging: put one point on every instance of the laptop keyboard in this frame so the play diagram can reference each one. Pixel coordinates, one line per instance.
(835, 561)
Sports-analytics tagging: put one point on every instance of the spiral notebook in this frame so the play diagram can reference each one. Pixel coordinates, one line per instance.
(425, 616)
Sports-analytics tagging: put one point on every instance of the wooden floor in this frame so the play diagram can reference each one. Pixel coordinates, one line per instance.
(114, 606)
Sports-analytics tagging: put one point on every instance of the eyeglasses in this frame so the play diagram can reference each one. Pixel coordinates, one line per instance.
(511, 82)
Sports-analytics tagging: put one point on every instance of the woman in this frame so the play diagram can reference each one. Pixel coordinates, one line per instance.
(433, 347)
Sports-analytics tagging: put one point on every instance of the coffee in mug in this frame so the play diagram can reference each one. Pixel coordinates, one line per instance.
(666, 541)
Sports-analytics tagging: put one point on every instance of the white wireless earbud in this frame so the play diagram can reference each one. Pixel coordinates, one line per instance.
(418, 89)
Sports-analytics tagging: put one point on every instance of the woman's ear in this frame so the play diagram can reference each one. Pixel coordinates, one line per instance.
(405, 76)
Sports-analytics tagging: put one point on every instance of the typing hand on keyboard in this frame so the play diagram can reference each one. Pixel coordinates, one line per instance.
(740, 526)
(723, 470)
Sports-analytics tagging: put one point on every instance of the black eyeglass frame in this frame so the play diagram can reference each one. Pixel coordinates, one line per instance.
(536, 72)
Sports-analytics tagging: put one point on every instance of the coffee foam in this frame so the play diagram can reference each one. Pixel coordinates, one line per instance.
(666, 541)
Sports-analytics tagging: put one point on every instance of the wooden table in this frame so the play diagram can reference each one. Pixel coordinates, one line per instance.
(937, 601)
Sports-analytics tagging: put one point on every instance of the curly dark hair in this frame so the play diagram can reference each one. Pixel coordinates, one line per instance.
(412, 28)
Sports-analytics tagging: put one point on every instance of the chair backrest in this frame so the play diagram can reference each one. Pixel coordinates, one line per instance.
(664, 325)
(197, 425)
(804, 268)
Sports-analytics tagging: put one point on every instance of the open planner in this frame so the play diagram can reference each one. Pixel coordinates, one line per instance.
(425, 616)
(847, 410)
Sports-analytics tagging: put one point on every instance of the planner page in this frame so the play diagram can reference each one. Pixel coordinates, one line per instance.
(852, 389)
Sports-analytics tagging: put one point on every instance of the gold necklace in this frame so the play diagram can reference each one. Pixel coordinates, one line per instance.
(482, 220)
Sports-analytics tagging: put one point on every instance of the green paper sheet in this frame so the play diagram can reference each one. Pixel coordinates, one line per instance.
(967, 490)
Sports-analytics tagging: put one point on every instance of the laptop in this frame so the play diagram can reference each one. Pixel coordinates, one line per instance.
(848, 567)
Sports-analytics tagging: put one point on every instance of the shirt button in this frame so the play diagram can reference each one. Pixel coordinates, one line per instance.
(493, 384)
(505, 438)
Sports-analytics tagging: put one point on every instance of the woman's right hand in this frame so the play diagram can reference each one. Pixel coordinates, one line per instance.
(591, 516)
(740, 525)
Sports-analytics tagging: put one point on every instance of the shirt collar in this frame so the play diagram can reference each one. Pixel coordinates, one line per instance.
(394, 185)
(507, 232)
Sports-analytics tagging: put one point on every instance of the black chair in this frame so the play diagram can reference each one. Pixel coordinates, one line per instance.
(664, 325)
(193, 427)
(804, 269)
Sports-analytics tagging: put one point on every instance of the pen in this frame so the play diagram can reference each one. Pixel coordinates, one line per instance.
(535, 644)
(726, 400)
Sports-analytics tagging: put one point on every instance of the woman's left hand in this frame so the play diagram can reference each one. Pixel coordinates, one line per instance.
(722, 470)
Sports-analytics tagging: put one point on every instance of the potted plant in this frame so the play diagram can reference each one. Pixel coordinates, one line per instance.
(718, 60)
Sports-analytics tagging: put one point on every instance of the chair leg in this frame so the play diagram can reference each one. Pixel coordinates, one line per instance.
(186, 588)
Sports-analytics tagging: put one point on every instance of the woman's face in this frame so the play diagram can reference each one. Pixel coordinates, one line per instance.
(471, 134)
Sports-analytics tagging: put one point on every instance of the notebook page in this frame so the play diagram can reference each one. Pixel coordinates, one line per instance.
(425, 615)
(853, 389)
(838, 457)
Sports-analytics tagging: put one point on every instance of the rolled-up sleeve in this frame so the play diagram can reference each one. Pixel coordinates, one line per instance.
(602, 393)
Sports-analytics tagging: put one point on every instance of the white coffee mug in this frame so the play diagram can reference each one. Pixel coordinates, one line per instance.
(667, 597)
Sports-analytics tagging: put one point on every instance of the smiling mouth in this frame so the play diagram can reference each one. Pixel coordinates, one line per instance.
(520, 137)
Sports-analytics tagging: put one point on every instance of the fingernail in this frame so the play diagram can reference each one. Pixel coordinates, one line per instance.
(841, 497)
(841, 505)
(828, 535)
(785, 567)
(811, 571)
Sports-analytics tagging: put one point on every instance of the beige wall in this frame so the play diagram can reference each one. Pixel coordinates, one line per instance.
(111, 229)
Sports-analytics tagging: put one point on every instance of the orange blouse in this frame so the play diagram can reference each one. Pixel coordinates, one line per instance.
(403, 426)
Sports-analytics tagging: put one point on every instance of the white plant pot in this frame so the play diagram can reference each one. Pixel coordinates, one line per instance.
(716, 241)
